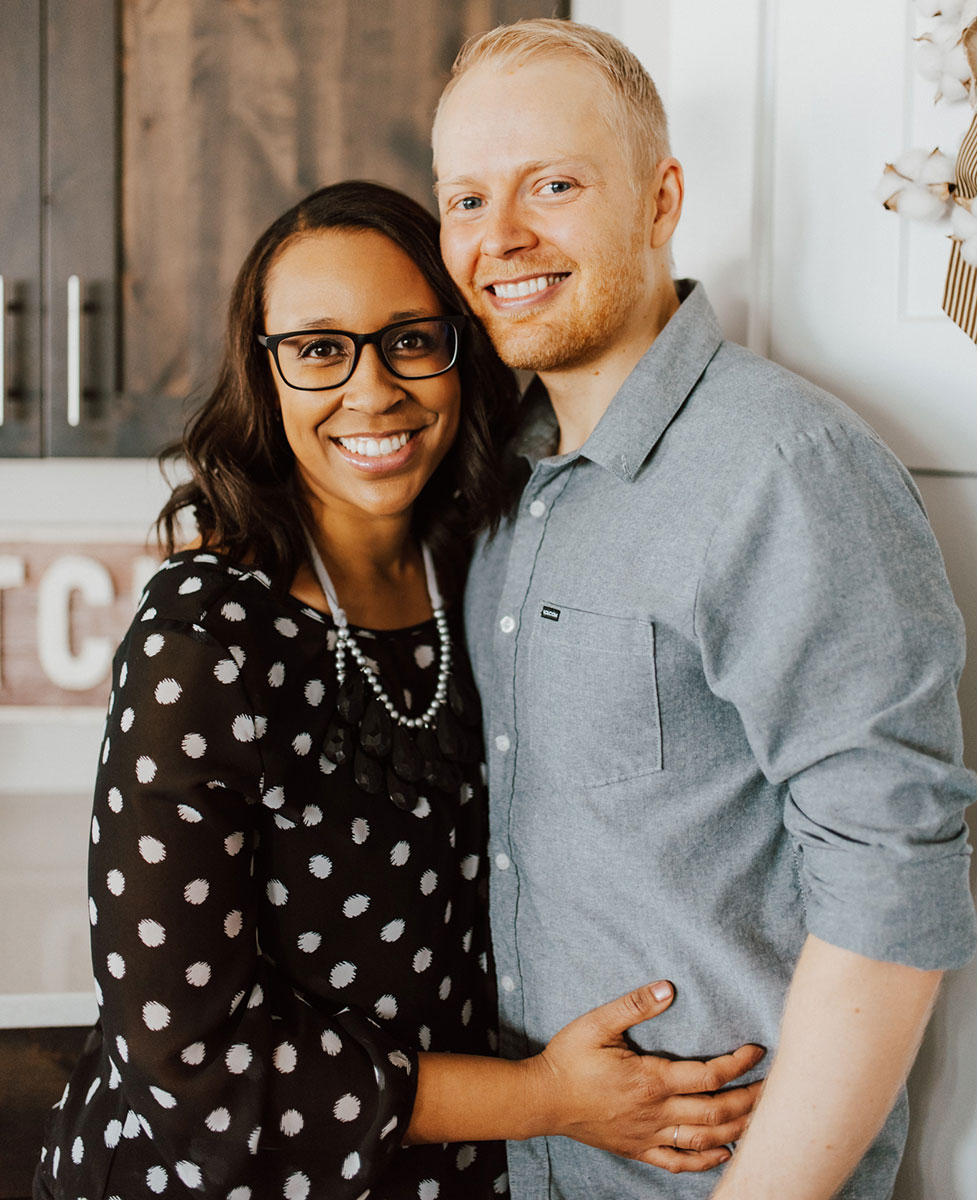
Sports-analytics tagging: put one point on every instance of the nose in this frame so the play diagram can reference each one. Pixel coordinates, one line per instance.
(372, 388)
(507, 230)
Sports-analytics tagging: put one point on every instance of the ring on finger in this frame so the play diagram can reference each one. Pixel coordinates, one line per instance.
(675, 1137)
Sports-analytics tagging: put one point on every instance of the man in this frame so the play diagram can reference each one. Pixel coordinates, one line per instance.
(717, 652)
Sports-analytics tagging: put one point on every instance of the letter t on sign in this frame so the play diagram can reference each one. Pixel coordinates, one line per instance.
(12, 574)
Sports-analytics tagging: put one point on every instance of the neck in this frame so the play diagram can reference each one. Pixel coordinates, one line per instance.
(581, 394)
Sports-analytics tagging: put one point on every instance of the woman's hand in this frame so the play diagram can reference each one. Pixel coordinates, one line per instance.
(594, 1088)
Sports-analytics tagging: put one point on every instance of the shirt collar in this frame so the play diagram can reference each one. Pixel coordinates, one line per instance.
(647, 401)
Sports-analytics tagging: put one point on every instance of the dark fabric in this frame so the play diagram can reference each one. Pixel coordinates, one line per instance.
(271, 945)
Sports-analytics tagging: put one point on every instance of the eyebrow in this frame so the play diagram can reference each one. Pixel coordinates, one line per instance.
(333, 323)
(540, 164)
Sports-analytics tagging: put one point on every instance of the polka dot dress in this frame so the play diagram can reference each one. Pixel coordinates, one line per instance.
(271, 944)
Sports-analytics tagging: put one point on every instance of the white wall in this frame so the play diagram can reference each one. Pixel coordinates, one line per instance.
(783, 114)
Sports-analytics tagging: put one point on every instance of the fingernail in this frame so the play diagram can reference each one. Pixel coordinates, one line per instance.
(661, 991)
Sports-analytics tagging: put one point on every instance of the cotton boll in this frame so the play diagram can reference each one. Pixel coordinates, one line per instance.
(918, 203)
(952, 89)
(929, 59)
(964, 221)
(928, 8)
(937, 168)
(968, 251)
(911, 163)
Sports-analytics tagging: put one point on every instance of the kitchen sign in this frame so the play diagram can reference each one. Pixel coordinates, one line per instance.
(64, 607)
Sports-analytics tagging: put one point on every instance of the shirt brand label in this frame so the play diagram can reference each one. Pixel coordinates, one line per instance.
(549, 612)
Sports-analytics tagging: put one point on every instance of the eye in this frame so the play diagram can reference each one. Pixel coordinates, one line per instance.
(469, 203)
(557, 187)
(322, 350)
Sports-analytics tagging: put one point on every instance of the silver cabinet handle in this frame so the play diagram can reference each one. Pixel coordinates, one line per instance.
(74, 350)
(3, 346)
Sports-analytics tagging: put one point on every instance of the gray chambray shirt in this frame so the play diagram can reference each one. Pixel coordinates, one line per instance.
(718, 659)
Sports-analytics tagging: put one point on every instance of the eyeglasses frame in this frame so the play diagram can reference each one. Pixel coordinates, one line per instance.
(271, 342)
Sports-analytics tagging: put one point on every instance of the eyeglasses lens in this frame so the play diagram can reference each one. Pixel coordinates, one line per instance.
(412, 351)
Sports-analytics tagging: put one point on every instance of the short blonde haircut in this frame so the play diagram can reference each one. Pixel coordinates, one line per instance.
(634, 106)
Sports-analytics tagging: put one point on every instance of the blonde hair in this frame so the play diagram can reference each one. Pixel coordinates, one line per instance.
(634, 105)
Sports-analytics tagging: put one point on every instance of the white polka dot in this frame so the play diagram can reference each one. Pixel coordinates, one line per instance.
(113, 1131)
(123, 674)
(400, 854)
(424, 1038)
(428, 1189)
(198, 974)
(164, 1099)
(469, 866)
(156, 1179)
(346, 1108)
(465, 1157)
(105, 750)
(55, 1160)
(123, 1048)
(95, 1085)
(114, 1077)
(151, 933)
(422, 808)
(233, 612)
(297, 1187)
(155, 1015)
(190, 1174)
(150, 612)
(186, 813)
(125, 722)
(77, 1151)
(237, 654)
(422, 960)
(386, 1007)
(193, 1055)
(302, 744)
(351, 1165)
(233, 923)
(218, 1121)
(444, 991)
(260, 726)
(429, 881)
(392, 930)
(309, 942)
(131, 1127)
(466, 941)
(243, 728)
(320, 866)
(196, 891)
(190, 585)
(276, 676)
(194, 745)
(500, 1184)
(285, 1058)
(356, 906)
(233, 843)
(314, 692)
(152, 849)
(286, 627)
(115, 800)
(92, 911)
(398, 1058)
(388, 1129)
(253, 1139)
(325, 766)
(238, 1058)
(168, 691)
(424, 656)
(116, 882)
(236, 1002)
(116, 965)
(342, 975)
(145, 769)
(226, 671)
(273, 798)
(332, 1043)
(276, 892)
(361, 831)
(466, 1012)
(291, 1122)
(311, 814)
(239, 1193)
(153, 644)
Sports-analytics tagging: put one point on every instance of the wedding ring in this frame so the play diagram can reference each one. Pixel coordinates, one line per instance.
(675, 1138)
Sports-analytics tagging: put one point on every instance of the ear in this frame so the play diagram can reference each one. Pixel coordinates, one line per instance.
(668, 190)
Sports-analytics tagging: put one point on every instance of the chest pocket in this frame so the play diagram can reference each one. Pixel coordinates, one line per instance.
(592, 696)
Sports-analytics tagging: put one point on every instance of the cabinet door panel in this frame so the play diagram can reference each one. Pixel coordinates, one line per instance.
(20, 225)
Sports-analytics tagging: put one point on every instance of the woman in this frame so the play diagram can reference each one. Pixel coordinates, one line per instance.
(287, 875)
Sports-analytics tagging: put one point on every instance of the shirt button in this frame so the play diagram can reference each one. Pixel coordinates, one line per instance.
(507, 624)
(502, 743)
(537, 508)
(508, 983)
(502, 861)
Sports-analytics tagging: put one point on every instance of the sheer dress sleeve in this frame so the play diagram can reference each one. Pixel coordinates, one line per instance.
(244, 1086)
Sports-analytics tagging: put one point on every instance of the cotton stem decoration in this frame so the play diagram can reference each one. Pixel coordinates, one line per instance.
(926, 184)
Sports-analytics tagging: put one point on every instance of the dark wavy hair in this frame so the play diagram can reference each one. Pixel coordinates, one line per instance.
(240, 462)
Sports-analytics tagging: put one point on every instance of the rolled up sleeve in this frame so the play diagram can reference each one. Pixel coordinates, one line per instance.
(824, 615)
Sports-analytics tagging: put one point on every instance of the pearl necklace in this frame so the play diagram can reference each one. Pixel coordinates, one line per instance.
(346, 642)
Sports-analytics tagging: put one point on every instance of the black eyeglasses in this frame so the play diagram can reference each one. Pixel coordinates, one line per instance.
(314, 360)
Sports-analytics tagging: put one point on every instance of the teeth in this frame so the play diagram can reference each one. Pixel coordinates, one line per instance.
(525, 287)
(371, 448)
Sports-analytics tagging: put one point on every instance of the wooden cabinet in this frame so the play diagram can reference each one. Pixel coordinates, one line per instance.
(147, 146)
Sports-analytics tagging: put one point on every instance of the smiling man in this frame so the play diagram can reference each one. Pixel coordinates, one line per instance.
(716, 647)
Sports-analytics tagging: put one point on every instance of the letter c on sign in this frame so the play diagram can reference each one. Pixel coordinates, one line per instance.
(87, 668)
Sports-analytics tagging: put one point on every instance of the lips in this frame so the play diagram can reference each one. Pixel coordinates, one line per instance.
(529, 285)
(372, 447)
(378, 453)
